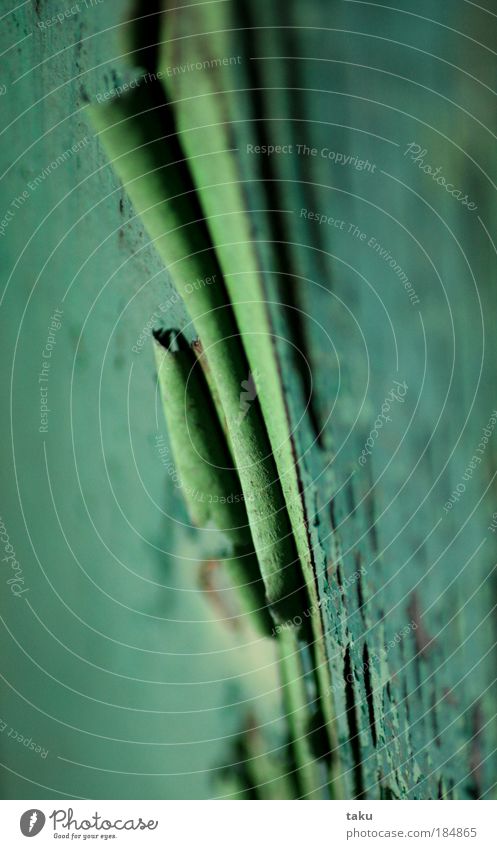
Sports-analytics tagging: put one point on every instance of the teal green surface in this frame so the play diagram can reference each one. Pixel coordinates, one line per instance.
(112, 661)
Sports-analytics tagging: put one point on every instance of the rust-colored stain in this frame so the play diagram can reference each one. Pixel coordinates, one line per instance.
(424, 643)
(219, 599)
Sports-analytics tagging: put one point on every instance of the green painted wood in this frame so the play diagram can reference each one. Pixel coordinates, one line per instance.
(127, 647)
(405, 587)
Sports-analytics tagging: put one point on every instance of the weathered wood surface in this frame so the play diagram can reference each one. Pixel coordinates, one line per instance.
(407, 589)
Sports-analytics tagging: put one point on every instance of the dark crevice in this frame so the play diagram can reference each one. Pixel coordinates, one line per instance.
(288, 297)
(413, 611)
(318, 737)
(369, 693)
(300, 482)
(317, 729)
(350, 498)
(296, 104)
(369, 507)
(373, 534)
(360, 593)
(406, 703)
(387, 793)
(148, 103)
(476, 755)
(167, 121)
(351, 711)
(239, 769)
(285, 285)
(360, 597)
(332, 515)
(172, 340)
(144, 34)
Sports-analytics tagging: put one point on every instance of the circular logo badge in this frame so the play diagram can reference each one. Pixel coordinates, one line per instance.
(32, 822)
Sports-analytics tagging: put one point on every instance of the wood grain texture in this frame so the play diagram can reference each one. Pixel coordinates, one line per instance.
(405, 589)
